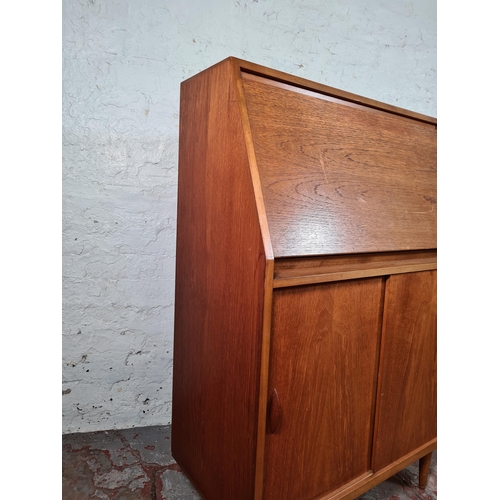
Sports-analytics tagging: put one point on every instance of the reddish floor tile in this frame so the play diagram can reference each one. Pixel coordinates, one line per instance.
(135, 464)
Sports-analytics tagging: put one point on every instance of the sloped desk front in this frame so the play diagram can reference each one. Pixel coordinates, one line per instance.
(305, 308)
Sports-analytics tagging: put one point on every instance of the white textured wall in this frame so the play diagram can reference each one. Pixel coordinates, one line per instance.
(123, 63)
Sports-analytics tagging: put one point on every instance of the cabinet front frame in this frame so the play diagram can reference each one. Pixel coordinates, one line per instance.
(301, 272)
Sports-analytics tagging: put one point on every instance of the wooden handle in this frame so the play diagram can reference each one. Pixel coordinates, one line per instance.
(274, 413)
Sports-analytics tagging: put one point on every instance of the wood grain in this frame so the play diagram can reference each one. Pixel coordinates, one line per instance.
(252, 161)
(323, 364)
(335, 187)
(332, 96)
(268, 292)
(302, 83)
(338, 179)
(249, 69)
(309, 270)
(220, 275)
(406, 396)
(357, 487)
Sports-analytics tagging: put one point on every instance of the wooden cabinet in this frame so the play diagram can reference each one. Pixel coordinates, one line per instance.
(305, 306)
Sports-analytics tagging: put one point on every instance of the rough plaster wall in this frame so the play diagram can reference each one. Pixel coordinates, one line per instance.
(123, 62)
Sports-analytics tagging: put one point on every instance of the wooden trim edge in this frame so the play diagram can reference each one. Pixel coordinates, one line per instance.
(264, 382)
(354, 274)
(368, 481)
(268, 286)
(252, 161)
(283, 77)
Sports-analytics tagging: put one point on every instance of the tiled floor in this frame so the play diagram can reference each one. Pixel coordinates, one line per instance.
(136, 464)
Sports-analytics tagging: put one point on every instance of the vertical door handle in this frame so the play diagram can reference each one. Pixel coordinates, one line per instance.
(274, 413)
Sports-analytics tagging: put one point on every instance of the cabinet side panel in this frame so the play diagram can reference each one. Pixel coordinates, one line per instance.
(323, 364)
(407, 393)
(220, 271)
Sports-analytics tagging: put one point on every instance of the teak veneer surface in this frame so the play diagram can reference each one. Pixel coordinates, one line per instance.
(305, 303)
(339, 177)
(323, 364)
(219, 297)
(407, 401)
(307, 270)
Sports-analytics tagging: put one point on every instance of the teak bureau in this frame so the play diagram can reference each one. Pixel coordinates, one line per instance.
(305, 306)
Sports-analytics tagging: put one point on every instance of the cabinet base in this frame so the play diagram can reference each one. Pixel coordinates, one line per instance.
(371, 479)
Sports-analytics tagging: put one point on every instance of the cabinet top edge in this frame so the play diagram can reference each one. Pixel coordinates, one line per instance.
(280, 76)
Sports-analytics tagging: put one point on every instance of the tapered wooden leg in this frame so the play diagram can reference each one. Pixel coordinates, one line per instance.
(423, 470)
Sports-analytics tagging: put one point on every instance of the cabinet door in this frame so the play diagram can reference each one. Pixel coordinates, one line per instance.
(406, 400)
(323, 365)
